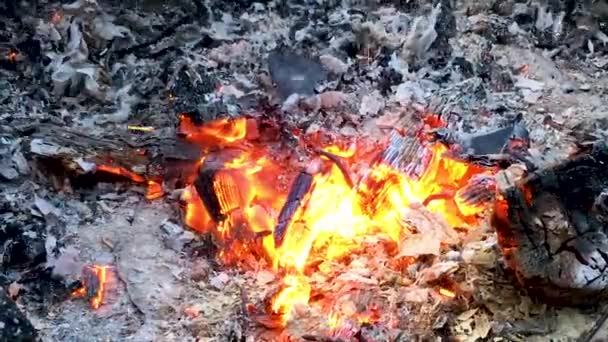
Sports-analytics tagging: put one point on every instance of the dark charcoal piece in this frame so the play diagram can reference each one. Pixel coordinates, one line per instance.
(553, 230)
(22, 244)
(204, 188)
(294, 74)
(299, 189)
(14, 326)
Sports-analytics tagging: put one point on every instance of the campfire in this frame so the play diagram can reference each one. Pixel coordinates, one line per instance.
(303, 170)
(295, 206)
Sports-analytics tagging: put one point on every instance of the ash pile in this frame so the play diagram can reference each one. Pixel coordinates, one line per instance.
(94, 162)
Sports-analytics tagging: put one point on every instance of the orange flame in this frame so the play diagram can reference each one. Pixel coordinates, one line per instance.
(121, 171)
(447, 293)
(100, 273)
(155, 190)
(252, 188)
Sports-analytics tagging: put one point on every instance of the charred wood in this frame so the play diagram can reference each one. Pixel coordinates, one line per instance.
(205, 189)
(299, 189)
(552, 228)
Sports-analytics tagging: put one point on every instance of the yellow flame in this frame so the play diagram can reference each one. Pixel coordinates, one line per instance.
(331, 216)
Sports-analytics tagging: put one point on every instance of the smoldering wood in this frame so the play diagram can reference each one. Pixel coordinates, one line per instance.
(404, 152)
(204, 188)
(480, 190)
(217, 188)
(552, 228)
(298, 190)
(75, 153)
(67, 146)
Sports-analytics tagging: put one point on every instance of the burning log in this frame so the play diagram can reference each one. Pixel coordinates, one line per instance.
(552, 228)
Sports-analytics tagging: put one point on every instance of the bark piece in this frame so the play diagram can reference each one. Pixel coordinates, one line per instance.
(552, 228)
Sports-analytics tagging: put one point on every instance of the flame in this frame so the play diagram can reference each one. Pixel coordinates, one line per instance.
(296, 290)
(329, 217)
(155, 190)
(121, 171)
(100, 274)
(219, 132)
(447, 293)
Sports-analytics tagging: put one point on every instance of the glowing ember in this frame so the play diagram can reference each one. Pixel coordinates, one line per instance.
(121, 171)
(12, 56)
(94, 281)
(447, 293)
(345, 192)
(56, 17)
(155, 190)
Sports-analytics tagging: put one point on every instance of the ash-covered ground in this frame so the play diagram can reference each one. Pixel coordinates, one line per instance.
(98, 67)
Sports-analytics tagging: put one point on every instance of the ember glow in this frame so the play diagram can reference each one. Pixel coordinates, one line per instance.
(340, 193)
(121, 171)
(94, 280)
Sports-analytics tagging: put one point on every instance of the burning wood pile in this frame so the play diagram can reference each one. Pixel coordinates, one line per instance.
(319, 171)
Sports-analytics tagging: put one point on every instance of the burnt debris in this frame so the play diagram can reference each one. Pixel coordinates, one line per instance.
(552, 230)
(294, 74)
(14, 325)
(500, 146)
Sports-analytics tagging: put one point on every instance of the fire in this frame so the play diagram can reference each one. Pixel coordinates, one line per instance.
(121, 171)
(447, 293)
(155, 190)
(343, 193)
(94, 281)
(295, 290)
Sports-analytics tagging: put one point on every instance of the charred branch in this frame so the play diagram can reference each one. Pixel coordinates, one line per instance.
(552, 232)
(300, 187)
(336, 160)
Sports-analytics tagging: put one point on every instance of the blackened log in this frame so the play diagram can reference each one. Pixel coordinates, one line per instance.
(299, 189)
(14, 326)
(218, 190)
(552, 228)
(205, 189)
